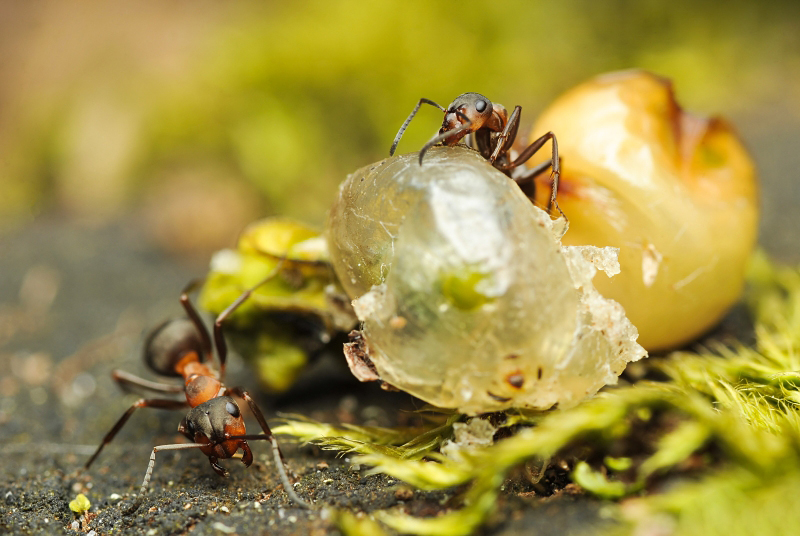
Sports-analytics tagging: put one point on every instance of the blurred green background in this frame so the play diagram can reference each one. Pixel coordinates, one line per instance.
(193, 118)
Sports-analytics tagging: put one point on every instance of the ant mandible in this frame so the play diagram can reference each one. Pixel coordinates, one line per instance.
(179, 348)
(493, 134)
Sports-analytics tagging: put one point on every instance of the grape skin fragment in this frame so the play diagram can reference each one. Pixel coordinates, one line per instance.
(466, 297)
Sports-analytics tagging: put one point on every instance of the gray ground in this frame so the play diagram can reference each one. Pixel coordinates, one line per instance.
(74, 302)
(98, 291)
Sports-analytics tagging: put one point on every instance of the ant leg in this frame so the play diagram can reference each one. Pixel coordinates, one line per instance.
(221, 471)
(126, 380)
(276, 450)
(148, 474)
(506, 138)
(556, 166)
(194, 316)
(407, 121)
(141, 403)
(526, 180)
(533, 148)
(219, 337)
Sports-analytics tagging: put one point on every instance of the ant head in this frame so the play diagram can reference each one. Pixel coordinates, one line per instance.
(468, 107)
(171, 342)
(210, 421)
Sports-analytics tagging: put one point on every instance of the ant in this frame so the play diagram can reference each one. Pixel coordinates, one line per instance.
(180, 348)
(493, 134)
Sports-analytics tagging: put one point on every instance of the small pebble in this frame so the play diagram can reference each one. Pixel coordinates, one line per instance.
(75, 525)
(223, 528)
(397, 322)
(404, 494)
(348, 403)
(114, 497)
(224, 509)
(38, 395)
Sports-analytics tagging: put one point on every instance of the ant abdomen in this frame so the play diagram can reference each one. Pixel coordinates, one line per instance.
(171, 342)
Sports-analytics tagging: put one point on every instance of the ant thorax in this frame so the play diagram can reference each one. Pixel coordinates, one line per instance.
(202, 388)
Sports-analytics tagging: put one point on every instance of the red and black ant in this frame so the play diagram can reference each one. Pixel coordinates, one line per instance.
(180, 348)
(493, 135)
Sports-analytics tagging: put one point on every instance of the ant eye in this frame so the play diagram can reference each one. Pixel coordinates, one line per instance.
(480, 105)
(232, 408)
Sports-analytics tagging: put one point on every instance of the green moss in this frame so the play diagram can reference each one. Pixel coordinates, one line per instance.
(597, 483)
(618, 464)
(357, 525)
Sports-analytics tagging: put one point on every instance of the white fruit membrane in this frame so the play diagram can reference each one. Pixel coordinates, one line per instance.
(466, 296)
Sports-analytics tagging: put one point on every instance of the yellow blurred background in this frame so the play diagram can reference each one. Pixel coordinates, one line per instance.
(194, 118)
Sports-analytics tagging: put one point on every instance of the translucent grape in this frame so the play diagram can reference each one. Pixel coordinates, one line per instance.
(466, 297)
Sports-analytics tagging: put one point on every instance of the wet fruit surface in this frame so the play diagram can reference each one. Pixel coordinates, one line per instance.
(466, 297)
(675, 192)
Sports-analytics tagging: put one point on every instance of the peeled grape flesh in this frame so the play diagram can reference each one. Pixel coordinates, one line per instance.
(466, 297)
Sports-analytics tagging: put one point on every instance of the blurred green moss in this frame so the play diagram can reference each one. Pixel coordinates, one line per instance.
(291, 97)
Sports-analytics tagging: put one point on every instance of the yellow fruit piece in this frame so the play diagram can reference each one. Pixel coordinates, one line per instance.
(675, 192)
(80, 504)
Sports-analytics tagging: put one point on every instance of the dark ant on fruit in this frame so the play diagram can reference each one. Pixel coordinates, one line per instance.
(492, 133)
(182, 347)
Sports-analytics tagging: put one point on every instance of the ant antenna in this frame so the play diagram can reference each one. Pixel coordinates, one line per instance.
(219, 337)
(407, 121)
